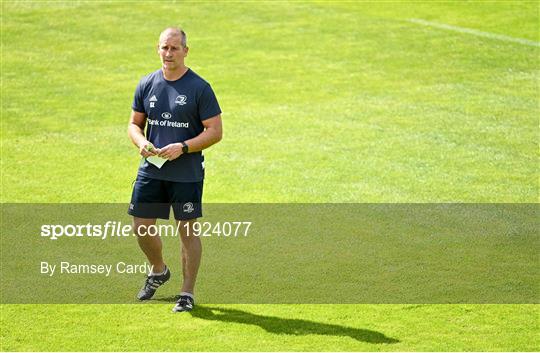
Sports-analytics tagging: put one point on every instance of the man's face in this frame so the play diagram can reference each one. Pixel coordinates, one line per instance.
(171, 52)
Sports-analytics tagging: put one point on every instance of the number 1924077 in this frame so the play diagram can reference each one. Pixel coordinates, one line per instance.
(218, 229)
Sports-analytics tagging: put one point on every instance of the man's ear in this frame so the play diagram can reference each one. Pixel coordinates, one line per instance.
(186, 49)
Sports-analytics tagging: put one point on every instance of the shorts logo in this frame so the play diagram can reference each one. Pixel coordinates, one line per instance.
(181, 100)
(188, 207)
(166, 115)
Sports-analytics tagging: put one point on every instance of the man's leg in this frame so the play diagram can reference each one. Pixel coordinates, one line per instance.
(149, 202)
(186, 203)
(150, 245)
(191, 254)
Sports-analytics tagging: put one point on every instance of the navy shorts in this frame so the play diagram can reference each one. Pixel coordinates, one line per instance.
(153, 198)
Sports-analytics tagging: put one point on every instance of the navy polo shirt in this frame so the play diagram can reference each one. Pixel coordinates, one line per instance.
(175, 111)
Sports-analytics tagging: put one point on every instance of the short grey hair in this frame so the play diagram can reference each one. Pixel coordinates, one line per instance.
(174, 31)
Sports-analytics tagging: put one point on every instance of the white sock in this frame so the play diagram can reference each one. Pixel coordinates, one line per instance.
(160, 273)
(188, 294)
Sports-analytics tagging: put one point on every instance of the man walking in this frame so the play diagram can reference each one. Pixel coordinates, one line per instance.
(182, 117)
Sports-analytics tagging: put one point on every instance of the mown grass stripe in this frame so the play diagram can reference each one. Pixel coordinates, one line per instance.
(475, 32)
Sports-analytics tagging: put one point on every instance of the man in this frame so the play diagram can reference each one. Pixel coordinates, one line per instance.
(182, 117)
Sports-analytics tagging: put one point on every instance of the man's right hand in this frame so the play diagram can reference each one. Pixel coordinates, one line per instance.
(146, 149)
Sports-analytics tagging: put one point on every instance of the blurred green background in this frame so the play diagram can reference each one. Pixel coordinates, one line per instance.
(322, 102)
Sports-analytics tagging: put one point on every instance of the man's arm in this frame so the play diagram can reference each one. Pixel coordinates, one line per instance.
(137, 122)
(213, 132)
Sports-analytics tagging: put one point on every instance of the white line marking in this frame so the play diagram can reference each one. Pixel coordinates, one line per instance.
(475, 32)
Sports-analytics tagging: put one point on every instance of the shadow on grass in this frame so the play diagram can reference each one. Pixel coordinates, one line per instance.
(288, 326)
(169, 299)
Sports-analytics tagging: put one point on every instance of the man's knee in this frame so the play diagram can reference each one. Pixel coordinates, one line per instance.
(143, 226)
(188, 230)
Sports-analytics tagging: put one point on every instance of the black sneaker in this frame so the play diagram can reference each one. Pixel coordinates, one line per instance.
(152, 283)
(185, 303)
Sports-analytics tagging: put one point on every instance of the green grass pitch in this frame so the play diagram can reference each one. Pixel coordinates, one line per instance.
(323, 102)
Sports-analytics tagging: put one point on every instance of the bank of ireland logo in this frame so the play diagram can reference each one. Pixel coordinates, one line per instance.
(180, 100)
(188, 207)
(166, 115)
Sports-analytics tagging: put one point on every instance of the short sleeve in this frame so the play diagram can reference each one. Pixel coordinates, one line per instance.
(208, 104)
(138, 99)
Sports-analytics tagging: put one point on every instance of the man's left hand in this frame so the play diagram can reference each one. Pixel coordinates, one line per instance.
(171, 151)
